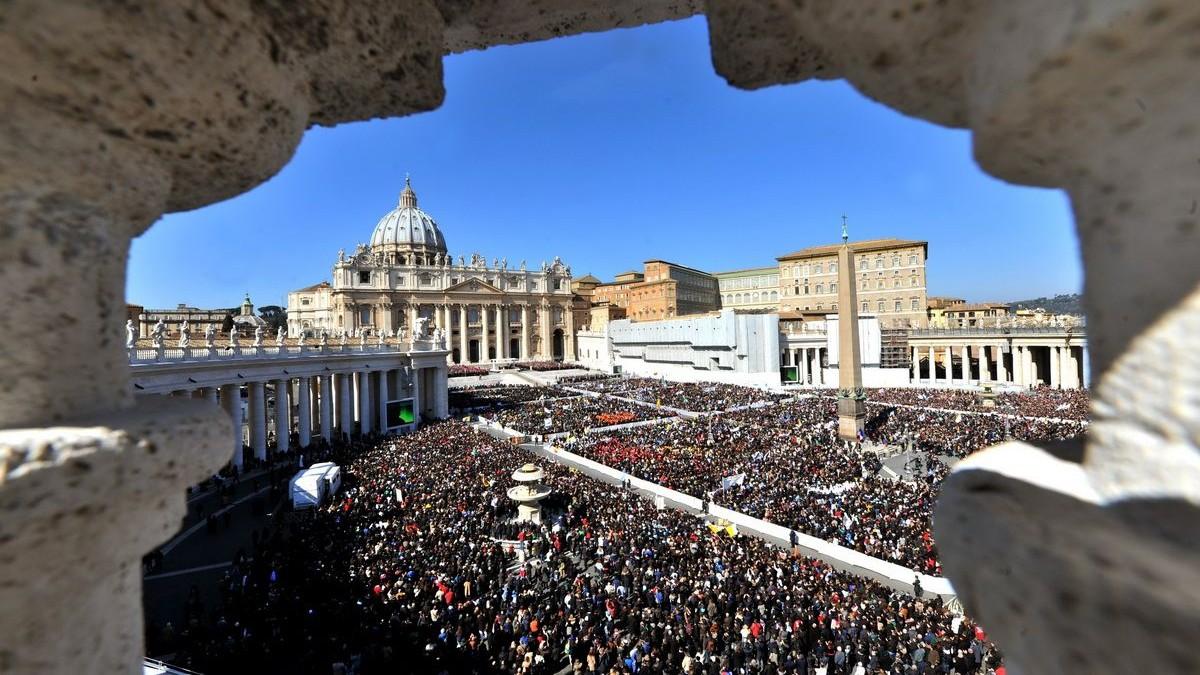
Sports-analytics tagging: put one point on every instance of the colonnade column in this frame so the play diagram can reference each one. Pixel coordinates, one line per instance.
(525, 332)
(258, 420)
(818, 377)
(413, 313)
(463, 352)
(932, 366)
(1001, 368)
(231, 401)
(381, 422)
(283, 415)
(916, 366)
(948, 363)
(303, 408)
(966, 364)
(1087, 367)
(325, 406)
(484, 311)
(364, 402)
(416, 395)
(802, 354)
(1055, 366)
(210, 395)
(345, 403)
(985, 368)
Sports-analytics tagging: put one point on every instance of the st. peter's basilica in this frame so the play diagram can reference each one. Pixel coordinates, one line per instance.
(496, 311)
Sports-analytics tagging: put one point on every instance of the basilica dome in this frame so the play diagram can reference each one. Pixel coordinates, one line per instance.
(407, 227)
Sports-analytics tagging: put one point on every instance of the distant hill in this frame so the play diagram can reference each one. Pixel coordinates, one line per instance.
(1067, 303)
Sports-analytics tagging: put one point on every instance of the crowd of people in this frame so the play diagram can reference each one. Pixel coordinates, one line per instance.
(496, 396)
(417, 566)
(1068, 404)
(690, 396)
(573, 415)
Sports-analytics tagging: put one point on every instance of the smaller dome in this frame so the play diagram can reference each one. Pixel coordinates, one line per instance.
(407, 226)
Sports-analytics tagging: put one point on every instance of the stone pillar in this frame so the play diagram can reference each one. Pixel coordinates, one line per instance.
(985, 368)
(381, 381)
(303, 411)
(851, 408)
(932, 366)
(948, 362)
(1001, 367)
(413, 313)
(916, 366)
(501, 331)
(364, 402)
(802, 353)
(417, 394)
(464, 353)
(345, 403)
(966, 364)
(818, 377)
(1087, 367)
(441, 384)
(283, 415)
(545, 350)
(1055, 368)
(484, 311)
(257, 410)
(231, 403)
(525, 332)
(569, 333)
(326, 406)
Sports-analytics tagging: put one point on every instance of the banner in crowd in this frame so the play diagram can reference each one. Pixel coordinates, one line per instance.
(729, 481)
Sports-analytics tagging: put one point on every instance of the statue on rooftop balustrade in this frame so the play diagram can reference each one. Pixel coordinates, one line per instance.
(233, 336)
(157, 333)
(185, 335)
(279, 336)
(130, 334)
(258, 335)
(209, 331)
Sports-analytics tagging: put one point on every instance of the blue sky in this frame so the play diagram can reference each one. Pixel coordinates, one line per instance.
(610, 149)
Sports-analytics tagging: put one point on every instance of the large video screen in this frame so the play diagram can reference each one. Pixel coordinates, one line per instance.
(400, 413)
(789, 374)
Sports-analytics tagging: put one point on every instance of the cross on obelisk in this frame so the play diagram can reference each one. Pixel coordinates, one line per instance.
(852, 408)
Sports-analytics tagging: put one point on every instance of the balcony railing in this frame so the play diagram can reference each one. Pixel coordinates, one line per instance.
(164, 354)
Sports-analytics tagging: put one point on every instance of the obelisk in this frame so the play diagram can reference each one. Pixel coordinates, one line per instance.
(852, 408)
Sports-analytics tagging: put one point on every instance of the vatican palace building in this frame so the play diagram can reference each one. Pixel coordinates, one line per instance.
(483, 311)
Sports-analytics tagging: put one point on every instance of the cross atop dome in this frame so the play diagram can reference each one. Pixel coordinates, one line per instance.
(408, 198)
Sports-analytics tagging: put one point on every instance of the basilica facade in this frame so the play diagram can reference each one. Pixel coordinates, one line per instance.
(486, 312)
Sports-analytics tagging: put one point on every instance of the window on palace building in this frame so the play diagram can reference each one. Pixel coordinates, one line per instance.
(866, 307)
(912, 260)
(834, 308)
(880, 305)
(817, 268)
(879, 263)
(916, 304)
(426, 280)
(818, 306)
(305, 301)
(820, 289)
(806, 289)
(832, 268)
(833, 288)
(774, 296)
(364, 277)
(558, 284)
(897, 309)
(862, 264)
(895, 261)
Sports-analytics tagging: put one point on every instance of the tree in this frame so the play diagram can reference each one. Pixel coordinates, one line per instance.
(227, 324)
(274, 315)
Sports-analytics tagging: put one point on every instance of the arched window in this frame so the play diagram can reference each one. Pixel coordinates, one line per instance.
(774, 296)
(820, 289)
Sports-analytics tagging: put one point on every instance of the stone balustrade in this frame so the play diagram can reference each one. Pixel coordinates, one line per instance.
(162, 353)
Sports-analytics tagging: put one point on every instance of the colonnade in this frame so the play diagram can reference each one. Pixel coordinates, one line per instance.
(809, 363)
(327, 405)
(1066, 368)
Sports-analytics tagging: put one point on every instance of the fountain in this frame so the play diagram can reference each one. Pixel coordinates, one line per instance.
(528, 492)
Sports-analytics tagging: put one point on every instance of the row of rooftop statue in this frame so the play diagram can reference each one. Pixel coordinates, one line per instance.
(364, 256)
(158, 334)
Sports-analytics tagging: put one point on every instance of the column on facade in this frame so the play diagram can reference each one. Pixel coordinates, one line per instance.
(231, 402)
(325, 405)
(932, 366)
(818, 377)
(524, 332)
(501, 330)
(345, 403)
(544, 350)
(484, 323)
(463, 344)
(283, 415)
(985, 368)
(1055, 368)
(1001, 367)
(417, 395)
(303, 411)
(1072, 367)
(210, 395)
(382, 396)
(442, 390)
(966, 364)
(257, 409)
(413, 313)
(948, 363)
(568, 333)
(364, 402)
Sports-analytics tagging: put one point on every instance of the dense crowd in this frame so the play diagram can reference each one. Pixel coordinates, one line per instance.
(1071, 404)
(797, 473)
(690, 396)
(466, 369)
(584, 377)
(574, 415)
(543, 366)
(412, 569)
(496, 396)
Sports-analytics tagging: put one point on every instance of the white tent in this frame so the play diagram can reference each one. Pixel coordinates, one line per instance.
(310, 487)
